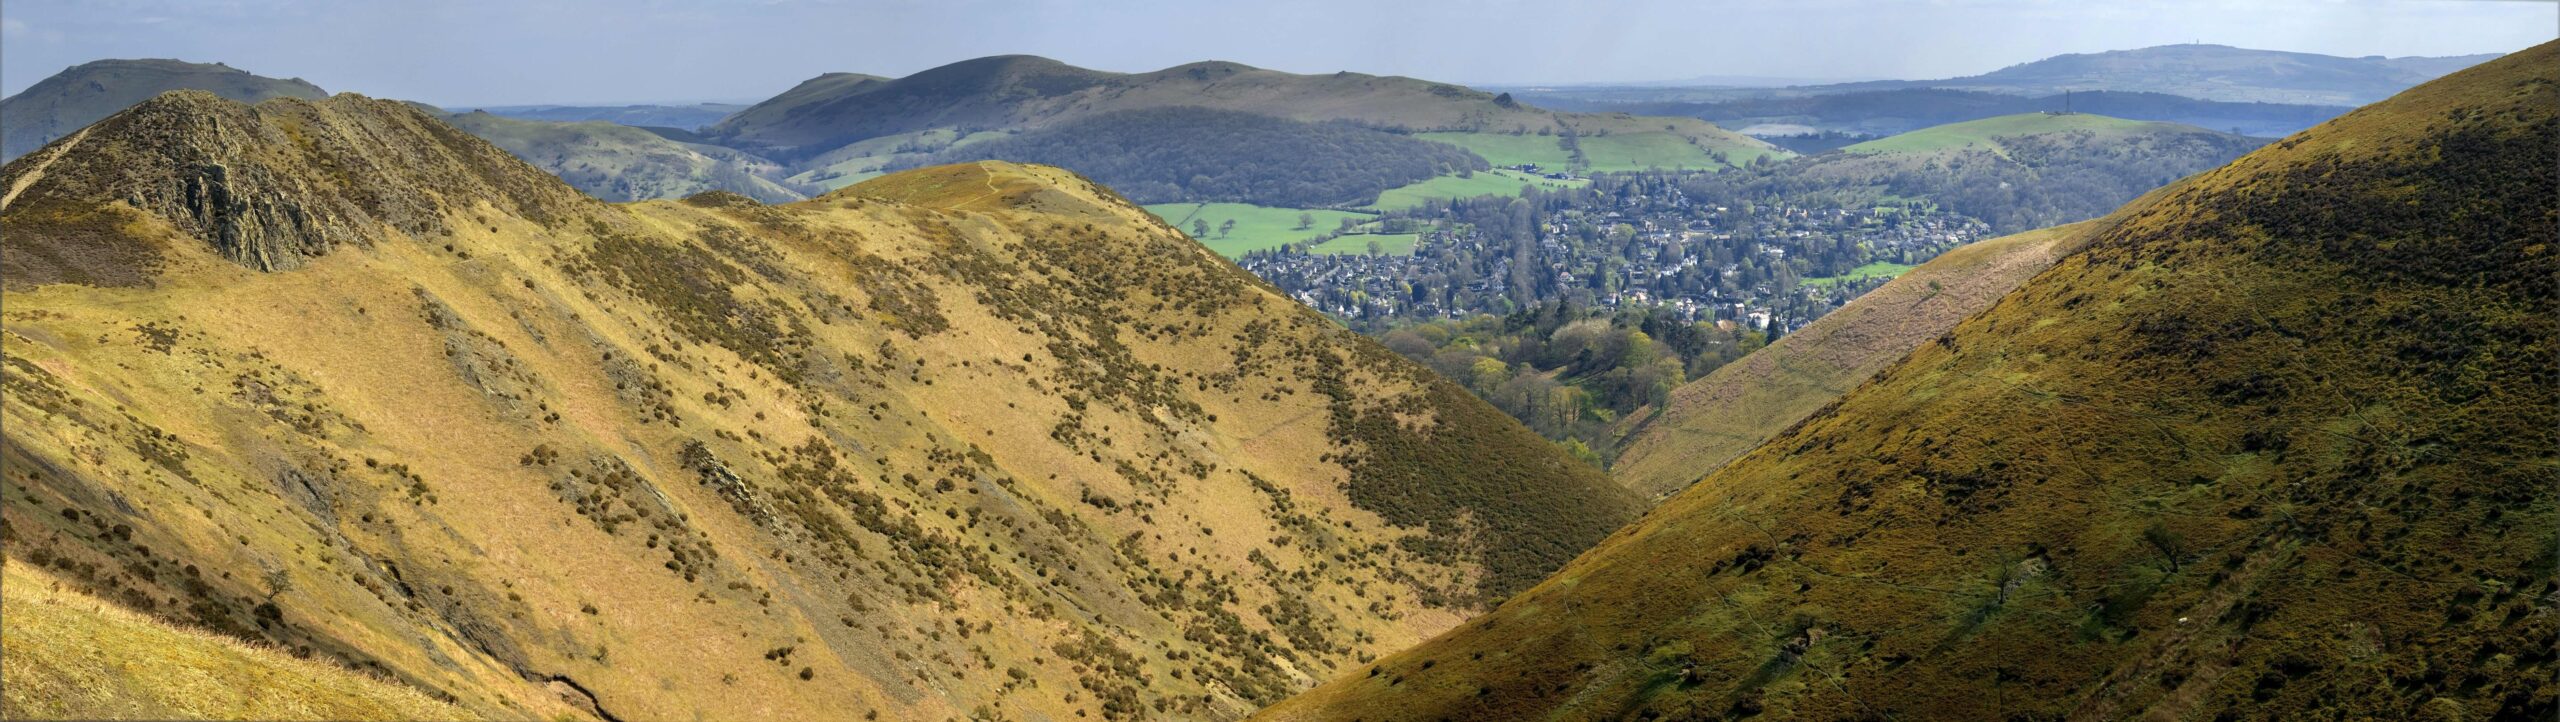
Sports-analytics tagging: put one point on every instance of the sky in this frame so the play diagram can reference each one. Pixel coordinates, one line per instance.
(465, 53)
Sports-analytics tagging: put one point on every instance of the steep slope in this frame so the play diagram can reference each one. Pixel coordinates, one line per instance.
(1020, 92)
(622, 163)
(978, 440)
(68, 655)
(2278, 446)
(1729, 411)
(84, 93)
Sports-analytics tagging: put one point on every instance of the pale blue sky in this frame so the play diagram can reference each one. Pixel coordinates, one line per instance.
(490, 52)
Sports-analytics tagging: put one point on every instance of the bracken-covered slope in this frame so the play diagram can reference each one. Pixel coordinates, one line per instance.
(981, 440)
(1718, 417)
(84, 93)
(2278, 446)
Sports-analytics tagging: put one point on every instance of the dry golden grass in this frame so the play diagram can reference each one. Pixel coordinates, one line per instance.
(67, 655)
(972, 441)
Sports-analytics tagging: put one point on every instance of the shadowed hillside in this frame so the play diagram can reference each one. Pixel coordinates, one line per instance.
(979, 440)
(2276, 446)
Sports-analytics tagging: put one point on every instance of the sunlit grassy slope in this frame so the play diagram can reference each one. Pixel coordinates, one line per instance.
(1717, 417)
(2275, 446)
(67, 655)
(1487, 183)
(1987, 132)
(972, 441)
(1257, 227)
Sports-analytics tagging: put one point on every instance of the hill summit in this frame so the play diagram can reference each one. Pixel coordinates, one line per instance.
(84, 93)
(978, 440)
(2275, 444)
(271, 185)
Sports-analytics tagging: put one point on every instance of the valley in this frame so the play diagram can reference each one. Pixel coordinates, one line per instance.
(2175, 382)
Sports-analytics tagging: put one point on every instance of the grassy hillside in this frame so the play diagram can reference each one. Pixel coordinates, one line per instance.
(68, 655)
(982, 440)
(1719, 416)
(1488, 183)
(2276, 446)
(621, 163)
(1987, 132)
(2019, 172)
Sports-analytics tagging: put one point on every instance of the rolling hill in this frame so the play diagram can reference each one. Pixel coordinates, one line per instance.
(2021, 172)
(84, 93)
(811, 125)
(2214, 72)
(978, 440)
(1887, 112)
(1988, 133)
(2275, 445)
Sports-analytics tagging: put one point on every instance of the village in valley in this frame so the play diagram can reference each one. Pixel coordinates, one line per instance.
(1627, 241)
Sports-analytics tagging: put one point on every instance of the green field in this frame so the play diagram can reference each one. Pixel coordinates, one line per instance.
(1987, 131)
(1394, 244)
(1257, 227)
(1503, 149)
(1640, 151)
(1879, 269)
(1485, 183)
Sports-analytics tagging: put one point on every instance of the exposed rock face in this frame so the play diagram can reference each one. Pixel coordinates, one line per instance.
(274, 185)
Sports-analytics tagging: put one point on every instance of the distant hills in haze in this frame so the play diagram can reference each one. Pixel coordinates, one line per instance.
(2209, 72)
(683, 117)
(2258, 92)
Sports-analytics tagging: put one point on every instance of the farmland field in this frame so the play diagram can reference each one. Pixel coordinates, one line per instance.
(1639, 151)
(1257, 227)
(1496, 183)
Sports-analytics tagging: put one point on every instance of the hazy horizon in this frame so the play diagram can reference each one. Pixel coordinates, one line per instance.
(471, 53)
